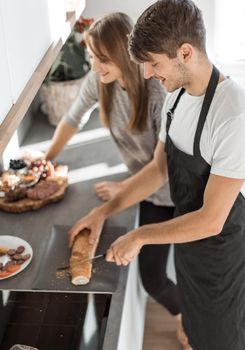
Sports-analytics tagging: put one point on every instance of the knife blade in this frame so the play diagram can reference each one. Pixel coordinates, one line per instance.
(94, 258)
(61, 268)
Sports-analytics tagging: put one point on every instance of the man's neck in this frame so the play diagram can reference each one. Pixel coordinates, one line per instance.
(200, 77)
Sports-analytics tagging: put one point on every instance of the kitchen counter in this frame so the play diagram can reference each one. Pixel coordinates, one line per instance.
(80, 198)
(35, 227)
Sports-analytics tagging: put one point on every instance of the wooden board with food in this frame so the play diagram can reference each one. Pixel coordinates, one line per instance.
(29, 185)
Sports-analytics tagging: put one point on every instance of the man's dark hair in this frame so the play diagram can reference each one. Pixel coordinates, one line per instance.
(164, 27)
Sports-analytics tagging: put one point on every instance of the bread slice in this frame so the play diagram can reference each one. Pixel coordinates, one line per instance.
(81, 271)
(3, 251)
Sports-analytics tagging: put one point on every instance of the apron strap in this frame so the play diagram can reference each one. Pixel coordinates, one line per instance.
(213, 82)
(170, 113)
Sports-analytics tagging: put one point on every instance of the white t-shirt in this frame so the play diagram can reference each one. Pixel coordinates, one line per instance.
(222, 143)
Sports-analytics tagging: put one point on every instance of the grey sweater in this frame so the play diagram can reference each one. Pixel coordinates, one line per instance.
(136, 148)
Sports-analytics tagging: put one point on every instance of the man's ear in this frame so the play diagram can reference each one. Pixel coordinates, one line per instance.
(185, 52)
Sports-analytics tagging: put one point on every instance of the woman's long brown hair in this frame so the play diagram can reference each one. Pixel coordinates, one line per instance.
(108, 40)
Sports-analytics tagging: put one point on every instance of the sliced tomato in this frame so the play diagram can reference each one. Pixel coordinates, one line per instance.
(5, 274)
(12, 268)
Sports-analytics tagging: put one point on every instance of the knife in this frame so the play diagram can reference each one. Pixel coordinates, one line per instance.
(94, 258)
(85, 260)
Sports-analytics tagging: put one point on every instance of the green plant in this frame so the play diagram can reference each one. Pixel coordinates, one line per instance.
(71, 62)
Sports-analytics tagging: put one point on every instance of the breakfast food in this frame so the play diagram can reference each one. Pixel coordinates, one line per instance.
(31, 184)
(15, 194)
(3, 251)
(8, 180)
(43, 189)
(42, 167)
(14, 259)
(80, 266)
(17, 164)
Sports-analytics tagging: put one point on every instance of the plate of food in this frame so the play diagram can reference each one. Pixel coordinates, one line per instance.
(15, 255)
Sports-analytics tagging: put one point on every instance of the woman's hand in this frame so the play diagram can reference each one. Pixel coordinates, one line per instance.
(94, 222)
(125, 248)
(107, 190)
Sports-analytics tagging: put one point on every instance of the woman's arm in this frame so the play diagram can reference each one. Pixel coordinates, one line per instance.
(62, 135)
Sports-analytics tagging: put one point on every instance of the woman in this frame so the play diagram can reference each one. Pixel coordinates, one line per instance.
(131, 108)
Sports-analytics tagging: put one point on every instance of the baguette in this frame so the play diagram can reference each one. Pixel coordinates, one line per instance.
(81, 270)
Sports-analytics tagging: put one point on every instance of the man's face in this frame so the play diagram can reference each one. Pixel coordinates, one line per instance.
(171, 72)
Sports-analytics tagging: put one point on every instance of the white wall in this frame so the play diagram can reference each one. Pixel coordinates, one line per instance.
(133, 8)
(229, 30)
(208, 10)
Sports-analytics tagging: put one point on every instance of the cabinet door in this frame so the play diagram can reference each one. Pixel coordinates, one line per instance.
(29, 27)
(5, 91)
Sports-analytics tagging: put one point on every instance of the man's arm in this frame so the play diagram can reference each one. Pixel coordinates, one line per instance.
(135, 189)
(219, 197)
(62, 135)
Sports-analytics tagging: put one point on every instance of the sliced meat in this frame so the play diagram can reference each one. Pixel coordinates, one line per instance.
(15, 194)
(43, 189)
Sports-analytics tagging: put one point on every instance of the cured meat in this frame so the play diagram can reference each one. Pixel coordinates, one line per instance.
(82, 250)
(16, 194)
(43, 189)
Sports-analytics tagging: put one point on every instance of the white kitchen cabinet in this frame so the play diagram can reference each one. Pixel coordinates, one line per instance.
(5, 90)
(29, 28)
(31, 36)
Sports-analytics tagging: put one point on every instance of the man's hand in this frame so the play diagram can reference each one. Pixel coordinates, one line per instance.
(125, 248)
(94, 222)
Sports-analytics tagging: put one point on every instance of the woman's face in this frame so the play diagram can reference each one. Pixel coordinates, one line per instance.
(106, 70)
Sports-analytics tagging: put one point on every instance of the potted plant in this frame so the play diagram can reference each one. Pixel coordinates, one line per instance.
(64, 78)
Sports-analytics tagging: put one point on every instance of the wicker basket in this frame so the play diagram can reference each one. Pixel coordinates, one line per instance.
(57, 97)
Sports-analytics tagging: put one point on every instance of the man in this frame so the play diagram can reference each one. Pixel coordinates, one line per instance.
(201, 150)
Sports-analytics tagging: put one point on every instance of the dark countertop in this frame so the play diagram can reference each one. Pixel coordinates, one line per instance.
(35, 227)
(80, 198)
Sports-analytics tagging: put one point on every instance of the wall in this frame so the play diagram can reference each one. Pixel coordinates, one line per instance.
(96, 9)
(229, 38)
(223, 20)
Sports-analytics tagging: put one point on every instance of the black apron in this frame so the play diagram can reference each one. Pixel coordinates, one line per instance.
(210, 272)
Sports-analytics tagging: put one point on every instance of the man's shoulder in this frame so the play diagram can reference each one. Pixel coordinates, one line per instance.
(230, 98)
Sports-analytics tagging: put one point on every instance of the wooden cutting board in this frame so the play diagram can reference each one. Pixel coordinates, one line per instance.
(28, 204)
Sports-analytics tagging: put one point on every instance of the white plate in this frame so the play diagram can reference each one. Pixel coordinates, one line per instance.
(13, 242)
